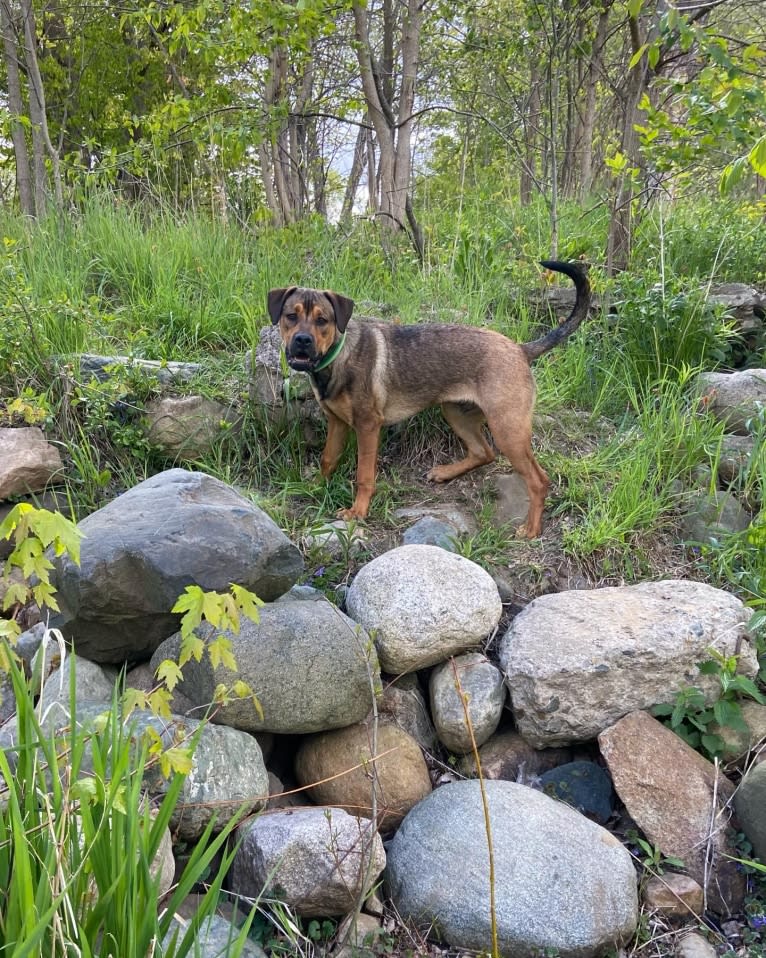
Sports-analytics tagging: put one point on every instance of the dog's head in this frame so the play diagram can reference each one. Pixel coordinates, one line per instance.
(309, 321)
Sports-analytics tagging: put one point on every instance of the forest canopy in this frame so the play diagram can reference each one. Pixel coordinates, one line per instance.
(277, 111)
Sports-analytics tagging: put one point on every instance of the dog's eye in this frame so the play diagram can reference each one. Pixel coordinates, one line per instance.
(321, 321)
(291, 317)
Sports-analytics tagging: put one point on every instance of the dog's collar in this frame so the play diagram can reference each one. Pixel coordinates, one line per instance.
(330, 356)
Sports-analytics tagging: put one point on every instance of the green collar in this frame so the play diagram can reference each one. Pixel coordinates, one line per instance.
(331, 356)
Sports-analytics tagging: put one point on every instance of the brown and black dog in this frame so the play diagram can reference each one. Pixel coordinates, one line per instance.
(372, 374)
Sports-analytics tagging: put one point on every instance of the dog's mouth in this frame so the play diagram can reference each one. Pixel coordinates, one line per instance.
(301, 364)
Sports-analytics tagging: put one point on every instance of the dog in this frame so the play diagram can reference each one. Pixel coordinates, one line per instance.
(372, 374)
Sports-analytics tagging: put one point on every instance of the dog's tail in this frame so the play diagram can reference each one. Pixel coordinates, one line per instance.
(578, 273)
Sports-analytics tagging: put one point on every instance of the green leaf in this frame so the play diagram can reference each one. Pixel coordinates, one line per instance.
(169, 673)
(634, 8)
(637, 55)
(757, 157)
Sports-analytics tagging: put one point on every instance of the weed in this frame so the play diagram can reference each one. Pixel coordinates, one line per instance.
(695, 721)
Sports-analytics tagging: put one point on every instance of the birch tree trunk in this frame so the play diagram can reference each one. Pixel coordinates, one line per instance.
(393, 130)
(41, 141)
(11, 53)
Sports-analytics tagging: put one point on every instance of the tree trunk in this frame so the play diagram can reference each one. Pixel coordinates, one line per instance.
(589, 115)
(355, 175)
(531, 121)
(41, 141)
(393, 132)
(620, 227)
(16, 107)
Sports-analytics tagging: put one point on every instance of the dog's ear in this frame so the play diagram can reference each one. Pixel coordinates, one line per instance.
(276, 300)
(343, 307)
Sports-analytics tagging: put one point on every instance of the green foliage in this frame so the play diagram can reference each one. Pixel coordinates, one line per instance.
(33, 531)
(652, 859)
(695, 720)
(667, 328)
(79, 840)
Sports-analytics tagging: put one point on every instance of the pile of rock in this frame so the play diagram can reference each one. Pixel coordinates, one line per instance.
(555, 708)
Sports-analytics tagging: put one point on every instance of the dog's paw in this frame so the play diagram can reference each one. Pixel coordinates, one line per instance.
(439, 474)
(351, 513)
(525, 532)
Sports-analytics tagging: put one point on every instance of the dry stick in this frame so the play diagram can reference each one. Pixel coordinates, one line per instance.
(487, 825)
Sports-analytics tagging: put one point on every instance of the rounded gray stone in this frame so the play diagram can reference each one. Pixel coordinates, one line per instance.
(310, 666)
(423, 604)
(319, 861)
(142, 550)
(562, 883)
(484, 690)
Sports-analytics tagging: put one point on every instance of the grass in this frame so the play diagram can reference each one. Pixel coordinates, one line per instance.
(116, 278)
(618, 434)
(78, 843)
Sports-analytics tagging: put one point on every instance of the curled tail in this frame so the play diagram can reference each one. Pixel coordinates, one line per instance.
(578, 274)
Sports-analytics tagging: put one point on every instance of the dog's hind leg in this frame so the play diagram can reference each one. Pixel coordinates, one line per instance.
(467, 422)
(516, 446)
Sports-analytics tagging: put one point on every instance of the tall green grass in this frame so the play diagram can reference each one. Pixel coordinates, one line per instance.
(79, 840)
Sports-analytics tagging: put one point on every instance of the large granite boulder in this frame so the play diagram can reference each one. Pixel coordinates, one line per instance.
(423, 604)
(143, 549)
(563, 885)
(309, 665)
(576, 661)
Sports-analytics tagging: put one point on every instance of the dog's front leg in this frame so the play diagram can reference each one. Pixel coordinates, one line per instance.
(367, 441)
(337, 431)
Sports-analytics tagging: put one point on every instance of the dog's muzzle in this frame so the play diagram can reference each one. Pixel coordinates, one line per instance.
(301, 353)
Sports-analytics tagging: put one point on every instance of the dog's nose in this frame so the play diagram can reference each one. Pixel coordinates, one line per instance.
(302, 342)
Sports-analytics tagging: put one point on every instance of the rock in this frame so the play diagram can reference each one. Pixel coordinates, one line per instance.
(363, 935)
(678, 800)
(310, 666)
(511, 500)
(164, 864)
(400, 773)
(403, 703)
(695, 945)
(577, 661)
(739, 742)
(740, 302)
(463, 522)
(482, 686)
(93, 683)
(423, 604)
(186, 427)
(227, 769)
(562, 883)
(583, 785)
(27, 461)
(675, 896)
(430, 531)
(711, 516)
(214, 939)
(319, 861)
(144, 548)
(166, 373)
(509, 757)
(734, 398)
(750, 806)
(734, 460)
